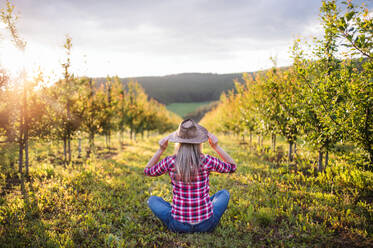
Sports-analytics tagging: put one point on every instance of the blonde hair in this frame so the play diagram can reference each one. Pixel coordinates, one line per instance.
(187, 162)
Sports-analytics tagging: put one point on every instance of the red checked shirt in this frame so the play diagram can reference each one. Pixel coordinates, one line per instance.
(191, 201)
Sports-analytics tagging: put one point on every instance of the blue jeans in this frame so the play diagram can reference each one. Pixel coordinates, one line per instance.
(162, 210)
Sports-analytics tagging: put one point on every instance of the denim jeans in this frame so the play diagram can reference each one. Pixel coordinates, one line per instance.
(162, 210)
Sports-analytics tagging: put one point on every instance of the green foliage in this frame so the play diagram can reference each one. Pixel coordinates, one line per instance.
(9, 18)
(322, 103)
(325, 98)
(102, 203)
(143, 114)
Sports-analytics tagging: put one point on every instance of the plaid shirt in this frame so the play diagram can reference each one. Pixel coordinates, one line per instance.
(191, 201)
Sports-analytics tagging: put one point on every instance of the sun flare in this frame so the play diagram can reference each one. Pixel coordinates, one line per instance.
(30, 61)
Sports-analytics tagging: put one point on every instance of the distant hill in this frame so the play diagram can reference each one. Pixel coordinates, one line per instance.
(185, 87)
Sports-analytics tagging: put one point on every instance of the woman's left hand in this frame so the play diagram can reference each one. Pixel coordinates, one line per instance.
(163, 143)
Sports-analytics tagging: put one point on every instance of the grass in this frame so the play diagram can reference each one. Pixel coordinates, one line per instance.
(184, 108)
(101, 202)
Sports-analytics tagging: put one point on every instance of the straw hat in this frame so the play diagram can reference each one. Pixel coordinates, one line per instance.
(189, 132)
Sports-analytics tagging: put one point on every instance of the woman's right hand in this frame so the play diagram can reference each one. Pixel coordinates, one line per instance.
(213, 140)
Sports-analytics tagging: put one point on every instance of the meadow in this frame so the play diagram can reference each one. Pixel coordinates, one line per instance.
(101, 201)
(318, 110)
(184, 108)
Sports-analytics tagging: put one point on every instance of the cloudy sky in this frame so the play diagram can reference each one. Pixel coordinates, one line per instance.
(159, 37)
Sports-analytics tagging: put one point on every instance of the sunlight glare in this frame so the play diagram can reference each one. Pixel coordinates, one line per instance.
(14, 60)
(33, 60)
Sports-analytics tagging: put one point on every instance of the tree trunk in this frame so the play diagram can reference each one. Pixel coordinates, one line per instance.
(107, 139)
(91, 141)
(131, 133)
(109, 121)
(79, 147)
(258, 139)
(25, 130)
(290, 151)
(121, 138)
(20, 154)
(68, 131)
(69, 148)
(369, 149)
(251, 139)
(64, 151)
(320, 161)
(367, 134)
(326, 158)
(261, 140)
(295, 148)
(274, 142)
(26, 157)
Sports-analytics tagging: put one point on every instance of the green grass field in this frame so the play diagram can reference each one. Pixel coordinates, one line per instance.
(184, 108)
(101, 202)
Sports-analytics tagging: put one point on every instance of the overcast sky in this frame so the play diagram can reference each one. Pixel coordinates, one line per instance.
(160, 37)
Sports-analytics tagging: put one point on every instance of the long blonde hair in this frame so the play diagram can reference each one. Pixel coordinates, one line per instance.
(187, 162)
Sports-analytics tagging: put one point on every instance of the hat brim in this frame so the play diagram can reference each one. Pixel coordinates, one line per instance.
(202, 136)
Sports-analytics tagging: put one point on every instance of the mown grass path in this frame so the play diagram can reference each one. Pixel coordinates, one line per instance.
(101, 202)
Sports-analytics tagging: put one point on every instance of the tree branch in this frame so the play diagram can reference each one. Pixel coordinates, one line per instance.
(354, 45)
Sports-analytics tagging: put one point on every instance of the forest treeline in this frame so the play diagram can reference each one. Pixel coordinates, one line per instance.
(324, 99)
(185, 87)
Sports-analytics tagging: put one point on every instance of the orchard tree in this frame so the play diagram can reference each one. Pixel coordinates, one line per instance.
(353, 27)
(5, 109)
(108, 110)
(89, 109)
(135, 100)
(9, 19)
(248, 114)
(120, 108)
(8, 148)
(67, 87)
(320, 92)
(62, 112)
(161, 119)
(278, 105)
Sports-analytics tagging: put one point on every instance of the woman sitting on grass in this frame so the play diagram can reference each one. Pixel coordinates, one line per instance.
(192, 209)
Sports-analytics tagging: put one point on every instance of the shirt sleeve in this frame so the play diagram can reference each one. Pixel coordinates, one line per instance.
(215, 164)
(158, 169)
